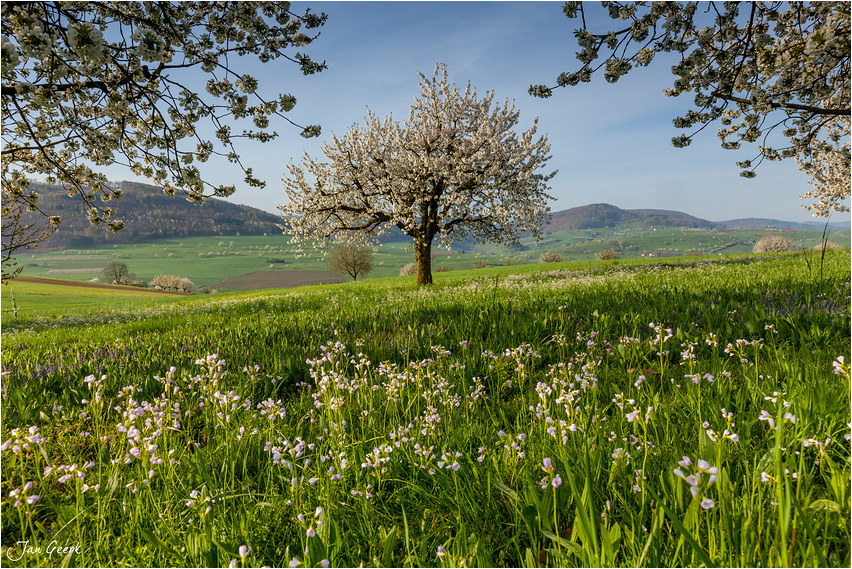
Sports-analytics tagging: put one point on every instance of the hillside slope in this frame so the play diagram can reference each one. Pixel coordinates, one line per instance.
(606, 215)
(148, 214)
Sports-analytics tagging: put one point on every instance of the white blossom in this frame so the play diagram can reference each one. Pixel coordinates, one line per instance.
(454, 170)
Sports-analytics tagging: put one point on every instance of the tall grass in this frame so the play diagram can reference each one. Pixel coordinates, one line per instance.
(656, 415)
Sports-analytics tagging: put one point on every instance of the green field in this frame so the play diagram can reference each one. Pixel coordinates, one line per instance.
(692, 412)
(21, 298)
(270, 260)
(208, 261)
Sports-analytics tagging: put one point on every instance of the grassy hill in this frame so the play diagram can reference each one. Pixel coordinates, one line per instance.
(230, 247)
(258, 261)
(150, 215)
(649, 413)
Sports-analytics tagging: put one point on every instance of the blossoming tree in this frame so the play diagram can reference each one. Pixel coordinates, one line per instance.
(454, 170)
(89, 84)
(759, 68)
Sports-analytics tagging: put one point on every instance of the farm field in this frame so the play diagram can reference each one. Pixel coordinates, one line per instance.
(268, 261)
(677, 412)
(634, 241)
(208, 261)
(53, 296)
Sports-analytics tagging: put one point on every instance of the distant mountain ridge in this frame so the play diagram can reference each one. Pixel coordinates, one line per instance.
(763, 222)
(606, 215)
(149, 214)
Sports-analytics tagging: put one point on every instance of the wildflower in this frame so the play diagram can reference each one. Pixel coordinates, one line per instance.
(244, 551)
(695, 479)
(707, 503)
(441, 552)
(841, 367)
(295, 562)
(732, 436)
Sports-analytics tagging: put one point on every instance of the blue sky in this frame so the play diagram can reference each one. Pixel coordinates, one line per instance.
(610, 143)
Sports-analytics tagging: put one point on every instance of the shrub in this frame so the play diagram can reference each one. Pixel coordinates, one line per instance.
(773, 243)
(550, 257)
(827, 245)
(445, 268)
(169, 282)
(185, 285)
(409, 269)
(480, 264)
(607, 254)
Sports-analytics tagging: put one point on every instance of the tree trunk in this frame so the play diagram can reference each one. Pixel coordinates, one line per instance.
(423, 256)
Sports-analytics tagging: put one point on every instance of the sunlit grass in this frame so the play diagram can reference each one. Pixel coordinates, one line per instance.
(584, 415)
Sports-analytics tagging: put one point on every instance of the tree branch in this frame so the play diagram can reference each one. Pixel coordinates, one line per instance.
(796, 106)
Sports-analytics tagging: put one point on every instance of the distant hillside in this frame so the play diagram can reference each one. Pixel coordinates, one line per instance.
(606, 215)
(763, 222)
(149, 214)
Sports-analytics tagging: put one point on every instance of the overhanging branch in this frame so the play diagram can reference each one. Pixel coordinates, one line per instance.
(795, 106)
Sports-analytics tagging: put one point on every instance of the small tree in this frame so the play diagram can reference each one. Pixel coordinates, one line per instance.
(825, 245)
(351, 259)
(166, 282)
(550, 257)
(408, 270)
(455, 169)
(117, 272)
(774, 243)
(185, 285)
(607, 255)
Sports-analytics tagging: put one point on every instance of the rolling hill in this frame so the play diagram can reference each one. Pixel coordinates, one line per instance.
(149, 214)
(606, 215)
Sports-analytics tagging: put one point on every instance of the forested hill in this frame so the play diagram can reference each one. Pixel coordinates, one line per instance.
(149, 214)
(604, 215)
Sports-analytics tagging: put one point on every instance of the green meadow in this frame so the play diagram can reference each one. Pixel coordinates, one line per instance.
(208, 261)
(21, 298)
(270, 261)
(658, 412)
